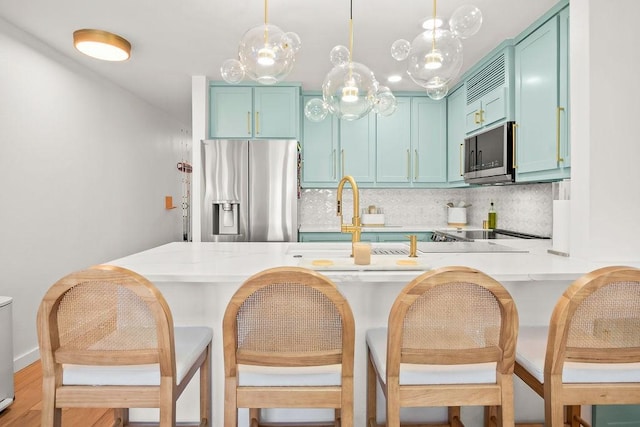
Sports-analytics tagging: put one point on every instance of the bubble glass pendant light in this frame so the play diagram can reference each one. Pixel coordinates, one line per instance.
(266, 54)
(434, 58)
(350, 90)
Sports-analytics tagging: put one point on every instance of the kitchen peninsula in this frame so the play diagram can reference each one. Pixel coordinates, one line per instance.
(198, 280)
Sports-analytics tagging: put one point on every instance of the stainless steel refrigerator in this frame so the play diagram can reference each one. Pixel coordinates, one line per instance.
(249, 190)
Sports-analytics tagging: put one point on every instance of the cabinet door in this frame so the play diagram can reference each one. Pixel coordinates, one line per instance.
(494, 106)
(473, 119)
(393, 153)
(536, 96)
(276, 112)
(402, 237)
(563, 111)
(428, 140)
(230, 113)
(455, 136)
(358, 148)
(319, 151)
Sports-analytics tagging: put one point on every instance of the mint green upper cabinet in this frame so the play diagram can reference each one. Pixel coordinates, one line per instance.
(488, 96)
(411, 143)
(333, 148)
(254, 112)
(429, 140)
(231, 112)
(455, 136)
(394, 144)
(357, 148)
(320, 147)
(542, 132)
(276, 112)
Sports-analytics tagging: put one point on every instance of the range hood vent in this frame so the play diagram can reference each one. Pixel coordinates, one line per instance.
(492, 76)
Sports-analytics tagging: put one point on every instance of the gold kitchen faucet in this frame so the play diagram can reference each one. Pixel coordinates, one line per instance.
(355, 227)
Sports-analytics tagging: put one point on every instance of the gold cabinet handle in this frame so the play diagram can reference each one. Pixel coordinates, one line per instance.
(408, 164)
(248, 122)
(415, 164)
(461, 157)
(334, 163)
(258, 122)
(513, 146)
(342, 155)
(476, 117)
(481, 116)
(558, 112)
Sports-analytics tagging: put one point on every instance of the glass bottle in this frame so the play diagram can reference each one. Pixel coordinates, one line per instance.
(492, 217)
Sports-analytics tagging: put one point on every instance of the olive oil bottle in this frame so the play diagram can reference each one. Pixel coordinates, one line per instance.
(492, 217)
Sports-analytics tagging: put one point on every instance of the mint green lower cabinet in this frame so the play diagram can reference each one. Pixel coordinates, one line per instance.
(402, 237)
(364, 237)
(615, 415)
(334, 237)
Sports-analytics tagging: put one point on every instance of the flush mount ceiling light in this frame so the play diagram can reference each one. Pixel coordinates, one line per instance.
(435, 56)
(265, 54)
(350, 90)
(102, 45)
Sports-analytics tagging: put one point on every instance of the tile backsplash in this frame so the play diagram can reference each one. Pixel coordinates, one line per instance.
(525, 207)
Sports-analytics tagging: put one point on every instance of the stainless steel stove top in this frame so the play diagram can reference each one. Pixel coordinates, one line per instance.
(471, 235)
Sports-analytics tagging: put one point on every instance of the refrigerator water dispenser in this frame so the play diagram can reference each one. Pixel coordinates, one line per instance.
(226, 218)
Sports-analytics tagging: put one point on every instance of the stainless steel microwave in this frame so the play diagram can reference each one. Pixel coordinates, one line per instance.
(489, 155)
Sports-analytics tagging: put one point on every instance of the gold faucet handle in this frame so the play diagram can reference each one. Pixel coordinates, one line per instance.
(413, 245)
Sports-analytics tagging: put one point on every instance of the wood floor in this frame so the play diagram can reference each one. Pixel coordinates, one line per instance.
(25, 410)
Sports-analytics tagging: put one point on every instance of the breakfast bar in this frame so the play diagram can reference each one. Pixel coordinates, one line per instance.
(198, 280)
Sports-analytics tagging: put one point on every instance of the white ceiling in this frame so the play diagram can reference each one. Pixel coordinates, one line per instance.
(175, 39)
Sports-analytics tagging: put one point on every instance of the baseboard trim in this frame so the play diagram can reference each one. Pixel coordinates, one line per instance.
(26, 359)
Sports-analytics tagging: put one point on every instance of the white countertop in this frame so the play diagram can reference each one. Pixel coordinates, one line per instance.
(199, 279)
(235, 262)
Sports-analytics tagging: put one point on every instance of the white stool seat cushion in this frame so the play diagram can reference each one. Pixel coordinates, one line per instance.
(299, 376)
(190, 342)
(531, 350)
(412, 374)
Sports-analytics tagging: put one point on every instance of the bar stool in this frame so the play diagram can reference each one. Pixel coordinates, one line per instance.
(450, 341)
(107, 339)
(590, 352)
(288, 343)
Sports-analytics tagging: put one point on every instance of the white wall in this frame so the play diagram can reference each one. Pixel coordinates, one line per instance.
(605, 167)
(84, 168)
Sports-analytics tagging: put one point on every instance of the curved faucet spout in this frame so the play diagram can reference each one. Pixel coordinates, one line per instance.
(355, 226)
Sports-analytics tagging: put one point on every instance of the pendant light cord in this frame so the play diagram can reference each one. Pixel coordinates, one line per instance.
(351, 32)
(266, 15)
(433, 31)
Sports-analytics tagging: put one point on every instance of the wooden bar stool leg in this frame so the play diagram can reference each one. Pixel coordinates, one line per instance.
(254, 417)
(491, 416)
(454, 416)
(121, 417)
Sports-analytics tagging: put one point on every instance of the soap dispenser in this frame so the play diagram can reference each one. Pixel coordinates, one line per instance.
(492, 217)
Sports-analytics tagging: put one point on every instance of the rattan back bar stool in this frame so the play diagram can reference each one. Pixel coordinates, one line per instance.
(107, 339)
(450, 342)
(288, 343)
(590, 352)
